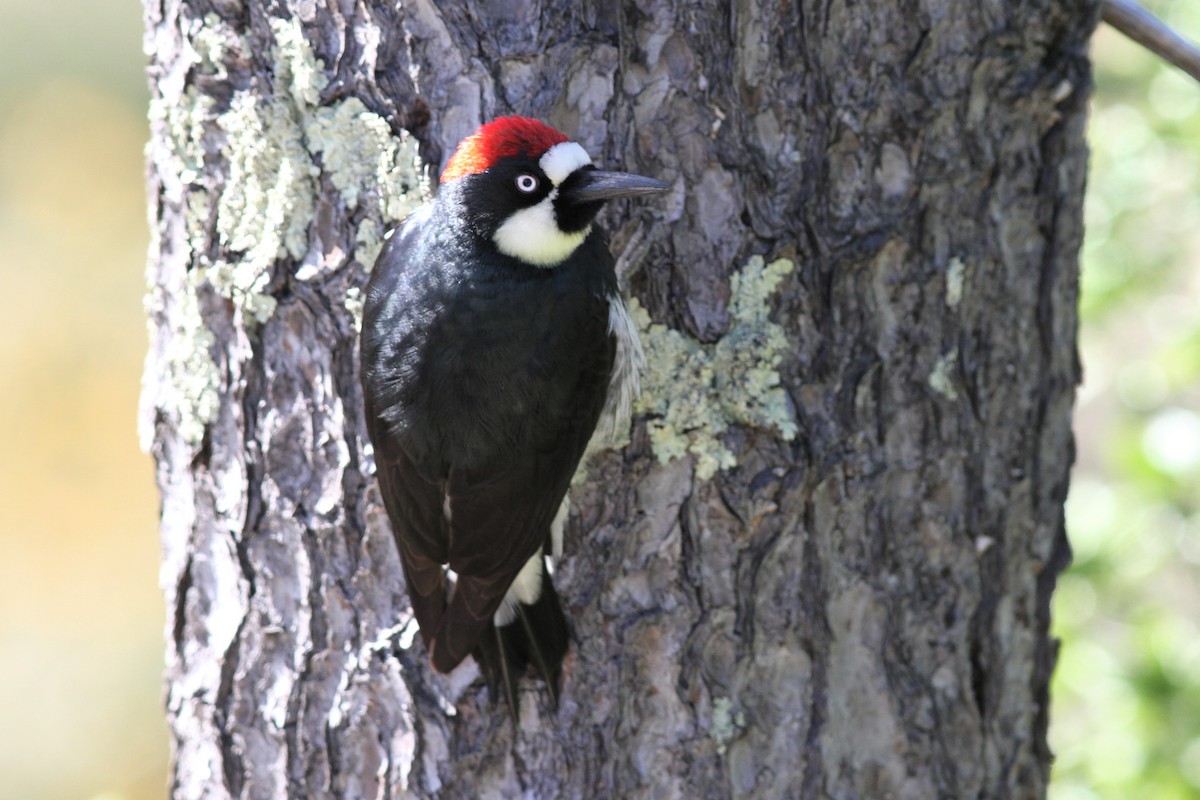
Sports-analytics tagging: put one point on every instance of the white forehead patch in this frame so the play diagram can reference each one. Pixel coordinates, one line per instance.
(561, 160)
(533, 236)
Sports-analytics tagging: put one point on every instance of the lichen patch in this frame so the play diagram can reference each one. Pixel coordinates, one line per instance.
(367, 164)
(267, 204)
(955, 274)
(940, 379)
(194, 375)
(693, 392)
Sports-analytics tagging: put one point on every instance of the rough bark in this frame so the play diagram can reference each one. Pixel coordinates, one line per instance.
(855, 605)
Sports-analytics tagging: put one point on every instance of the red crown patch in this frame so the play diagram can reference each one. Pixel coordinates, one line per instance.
(500, 138)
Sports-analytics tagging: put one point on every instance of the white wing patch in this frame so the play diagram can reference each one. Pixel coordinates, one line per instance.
(625, 383)
(527, 588)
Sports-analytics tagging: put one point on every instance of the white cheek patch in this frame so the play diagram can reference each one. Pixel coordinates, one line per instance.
(561, 160)
(533, 236)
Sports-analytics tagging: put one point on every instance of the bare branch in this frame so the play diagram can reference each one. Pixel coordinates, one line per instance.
(1138, 24)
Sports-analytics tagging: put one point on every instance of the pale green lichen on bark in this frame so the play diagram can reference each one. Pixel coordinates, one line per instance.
(190, 386)
(353, 303)
(208, 46)
(693, 392)
(267, 203)
(359, 151)
(194, 376)
(297, 69)
(185, 124)
(199, 206)
(955, 275)
(368, 241)
(940, 379)
(727, 724)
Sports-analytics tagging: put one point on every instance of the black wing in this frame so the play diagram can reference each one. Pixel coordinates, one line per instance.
(498, 521)
(414, 506)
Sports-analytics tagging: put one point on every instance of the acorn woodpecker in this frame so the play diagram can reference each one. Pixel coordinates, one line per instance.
(493, 341)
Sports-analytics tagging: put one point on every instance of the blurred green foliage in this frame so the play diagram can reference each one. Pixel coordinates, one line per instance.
(1125, 720)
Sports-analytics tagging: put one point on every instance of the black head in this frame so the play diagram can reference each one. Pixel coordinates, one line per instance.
(534, 193)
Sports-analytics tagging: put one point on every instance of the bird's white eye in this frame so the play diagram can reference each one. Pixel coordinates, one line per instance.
(527, 183)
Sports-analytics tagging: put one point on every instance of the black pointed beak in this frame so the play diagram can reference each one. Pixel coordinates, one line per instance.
(593, 185)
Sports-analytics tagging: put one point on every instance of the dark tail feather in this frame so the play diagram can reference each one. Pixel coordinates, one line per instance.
(496, 660)
(538, 637)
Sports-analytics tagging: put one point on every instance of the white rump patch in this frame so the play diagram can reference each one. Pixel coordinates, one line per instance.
(533, 236)
(561, 160)
(527, 588)
(625, 383)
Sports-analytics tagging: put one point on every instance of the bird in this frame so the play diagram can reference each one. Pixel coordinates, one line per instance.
(494, 342)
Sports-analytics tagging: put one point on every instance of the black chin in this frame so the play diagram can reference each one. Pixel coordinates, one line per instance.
(575, 216)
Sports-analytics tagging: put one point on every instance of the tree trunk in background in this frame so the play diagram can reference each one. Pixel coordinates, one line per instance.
(855, 605)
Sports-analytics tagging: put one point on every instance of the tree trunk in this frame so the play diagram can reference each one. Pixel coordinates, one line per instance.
(821, 567)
